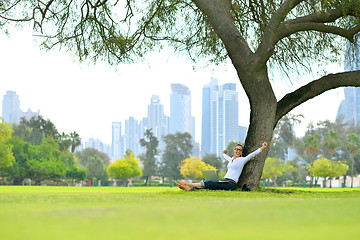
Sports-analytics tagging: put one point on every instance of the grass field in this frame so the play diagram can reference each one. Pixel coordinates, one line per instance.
(34, 212)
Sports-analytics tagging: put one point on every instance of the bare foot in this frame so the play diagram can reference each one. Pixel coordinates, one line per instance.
(183, 183)
(185, 188)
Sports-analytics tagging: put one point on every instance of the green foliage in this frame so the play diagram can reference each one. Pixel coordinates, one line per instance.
(178, 147)
(40, 162)
(125, 168)
(150, 143)
(284, 136)
(47, 163)
(191, 168)
(75, 140)
(331, 142)
(102, 31)
(22, 151)
(311, 144)
(213, 160)
(75, 173)
(69, 140)
(353, 143)
(6, 156)
(95, 168)
(35, 130)
(274, 168)
(326, 168)
(84, 155)
(64, 141)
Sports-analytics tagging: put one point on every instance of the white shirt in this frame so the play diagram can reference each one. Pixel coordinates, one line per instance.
(236, 165)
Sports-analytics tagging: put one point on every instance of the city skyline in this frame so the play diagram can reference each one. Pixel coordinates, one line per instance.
(134, 129)
(80, 96)
(349, 108)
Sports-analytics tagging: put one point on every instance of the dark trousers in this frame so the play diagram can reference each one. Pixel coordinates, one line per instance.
(226, 185)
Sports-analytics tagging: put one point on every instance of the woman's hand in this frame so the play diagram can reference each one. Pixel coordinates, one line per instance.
(264, 145)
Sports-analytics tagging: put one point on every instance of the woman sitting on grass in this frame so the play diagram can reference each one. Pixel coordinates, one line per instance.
(235, 167)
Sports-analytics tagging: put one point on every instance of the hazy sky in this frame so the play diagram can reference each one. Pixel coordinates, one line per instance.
(87, 98)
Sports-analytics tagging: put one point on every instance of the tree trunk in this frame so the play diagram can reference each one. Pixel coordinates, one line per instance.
(146, 180)
(262, 122)
(275, 185)
(352, 170)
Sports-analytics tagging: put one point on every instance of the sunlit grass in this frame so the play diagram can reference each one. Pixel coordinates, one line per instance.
(168, 213)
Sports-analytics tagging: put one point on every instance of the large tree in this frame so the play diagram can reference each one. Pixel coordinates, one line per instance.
(6, 156)
(178, 147)
(255, 35)
(35, 130)
(150, 142)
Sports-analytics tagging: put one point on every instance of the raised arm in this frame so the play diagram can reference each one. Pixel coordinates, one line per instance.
(227, 157)
(256, 152)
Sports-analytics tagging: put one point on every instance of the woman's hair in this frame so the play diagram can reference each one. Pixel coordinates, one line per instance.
(239, 145)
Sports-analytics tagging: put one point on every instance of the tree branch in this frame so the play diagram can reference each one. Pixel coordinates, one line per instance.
(267, 45)
(218, 13)
(315, 88)
(317, 22)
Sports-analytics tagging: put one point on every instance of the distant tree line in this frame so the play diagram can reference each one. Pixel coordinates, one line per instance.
(328, 150)
(34, 149)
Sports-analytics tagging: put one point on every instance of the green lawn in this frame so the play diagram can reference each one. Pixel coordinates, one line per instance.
(33, 212)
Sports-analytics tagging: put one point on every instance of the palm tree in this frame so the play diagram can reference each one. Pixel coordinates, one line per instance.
(64, 141)
(331, 142)
(75, 140)
(353, 143)
(311, 145)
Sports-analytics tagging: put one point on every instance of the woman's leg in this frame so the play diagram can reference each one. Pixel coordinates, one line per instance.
(189, 184)
(230, 186)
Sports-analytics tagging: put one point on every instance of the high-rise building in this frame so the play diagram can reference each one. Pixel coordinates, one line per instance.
(98, 145)
(180, 110)
(116, 146)
(11, 111)
(206, 119)
(220, 117)
(230, 101)
(132, 136)
(157, 121)
(11, 107)
(349, 109)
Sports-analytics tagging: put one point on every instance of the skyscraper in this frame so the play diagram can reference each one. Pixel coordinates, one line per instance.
(157, 121)
(180, 110)
(349, 108)
(116, 146)
(220, 117)
(206, 119)
(132, 136)
(11, 111)
(11, 107)
(98, 145)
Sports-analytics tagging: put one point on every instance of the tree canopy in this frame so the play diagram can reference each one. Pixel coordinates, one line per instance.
(125, 168)
(6, 156)
(191, 168)
(150, 142)
(326, 168)
(178, 147)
